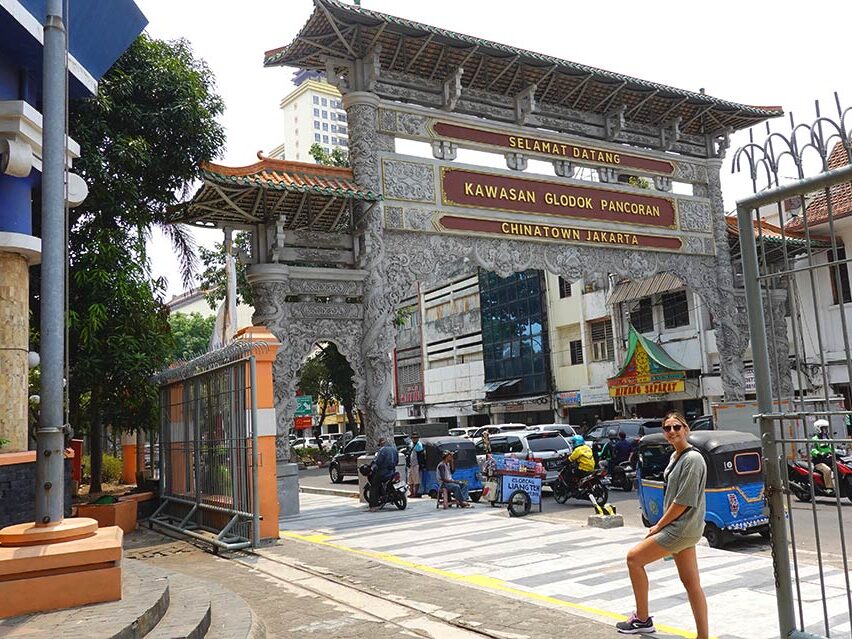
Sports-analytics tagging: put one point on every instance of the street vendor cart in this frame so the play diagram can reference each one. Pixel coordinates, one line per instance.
(515, 483)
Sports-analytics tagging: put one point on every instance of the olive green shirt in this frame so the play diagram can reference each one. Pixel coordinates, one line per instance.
(685, 481)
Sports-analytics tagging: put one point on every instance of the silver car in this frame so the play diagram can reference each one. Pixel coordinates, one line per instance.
(548, 447)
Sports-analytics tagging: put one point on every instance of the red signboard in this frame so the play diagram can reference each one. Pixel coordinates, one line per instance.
(559, 233)
(301, 423)
(542, 146)
(462, 187)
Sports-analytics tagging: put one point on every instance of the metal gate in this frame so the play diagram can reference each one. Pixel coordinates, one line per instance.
(794, 260)
(209, 450)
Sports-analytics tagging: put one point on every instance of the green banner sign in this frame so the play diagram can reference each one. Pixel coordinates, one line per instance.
(304, 405)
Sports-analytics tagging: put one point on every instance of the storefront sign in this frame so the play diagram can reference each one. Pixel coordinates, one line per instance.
(530, 485)
(462, 187)
(552, 148)
(558, 233)
(749, 385)
(649, 388)
(303, 422)
(594, 395)
(569, 398)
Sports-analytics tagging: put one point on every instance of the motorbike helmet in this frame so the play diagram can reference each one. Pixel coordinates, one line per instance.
(577, 440)
(819, 425)
(365, 469)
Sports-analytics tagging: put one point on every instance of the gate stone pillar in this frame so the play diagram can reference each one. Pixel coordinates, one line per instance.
(365, 144)
(728, 315)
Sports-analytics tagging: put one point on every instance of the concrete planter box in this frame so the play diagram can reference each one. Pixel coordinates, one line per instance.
(121, 514)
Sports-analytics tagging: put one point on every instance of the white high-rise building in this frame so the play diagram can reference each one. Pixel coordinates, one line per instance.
(313, 113)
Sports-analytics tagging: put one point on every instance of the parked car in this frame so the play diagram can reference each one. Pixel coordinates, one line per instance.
(345, 463)
(305, 442)
(566, 430)
(494, 429)
(705, 422)
(466, 432)
(634, 429)
(548, 447)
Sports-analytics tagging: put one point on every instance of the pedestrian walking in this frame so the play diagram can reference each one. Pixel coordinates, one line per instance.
(415, 461)
(676, 534)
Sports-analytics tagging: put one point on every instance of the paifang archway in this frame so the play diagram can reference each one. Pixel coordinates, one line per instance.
(413, 217)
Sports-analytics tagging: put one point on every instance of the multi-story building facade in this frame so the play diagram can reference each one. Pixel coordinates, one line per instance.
(582, 348)
(313, 114)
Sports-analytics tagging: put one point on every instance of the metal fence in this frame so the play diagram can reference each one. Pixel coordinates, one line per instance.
(791, 235)
(208, 448)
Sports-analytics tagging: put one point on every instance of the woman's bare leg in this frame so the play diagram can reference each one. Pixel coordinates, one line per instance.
(687, 569)
(645, 552)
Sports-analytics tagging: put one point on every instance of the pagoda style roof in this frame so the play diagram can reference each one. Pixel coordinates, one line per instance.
(342, 31)
(816, 211)
(304, 195)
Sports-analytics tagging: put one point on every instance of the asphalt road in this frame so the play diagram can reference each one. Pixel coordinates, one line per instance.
(627, 505)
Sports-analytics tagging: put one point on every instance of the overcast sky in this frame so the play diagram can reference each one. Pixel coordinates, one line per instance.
(750, 51)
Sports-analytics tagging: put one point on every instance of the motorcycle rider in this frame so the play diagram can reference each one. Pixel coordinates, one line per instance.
(383, 468)
(821, 452)
(582, 459)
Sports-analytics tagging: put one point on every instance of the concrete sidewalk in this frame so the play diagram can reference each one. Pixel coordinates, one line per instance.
(301, 589)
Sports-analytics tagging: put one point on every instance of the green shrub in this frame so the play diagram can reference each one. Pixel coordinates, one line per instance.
(312, 456)
(110, 469)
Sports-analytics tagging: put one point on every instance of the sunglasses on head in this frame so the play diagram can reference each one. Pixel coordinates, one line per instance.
(674, 427)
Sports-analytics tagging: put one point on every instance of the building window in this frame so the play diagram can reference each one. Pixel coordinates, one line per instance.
(325, 115)
(333, 116)
(602, 349)
(839, 275)
(325, 126)
(576, 348)
(316, 113)
(341, 117)
(316, 124)
(325, 140)
(675, 309)
(342, 142)
(324, 102)
(642, 316)
(564, 288)
(317, 137)
(342, 129)
(334, 128)
(333, 140)
(316, 100)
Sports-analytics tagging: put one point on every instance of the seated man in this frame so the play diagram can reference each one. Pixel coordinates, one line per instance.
(582, 458)
(445, 480)
(384, 467)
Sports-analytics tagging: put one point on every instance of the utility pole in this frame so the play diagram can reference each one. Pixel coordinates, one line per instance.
(50, 461)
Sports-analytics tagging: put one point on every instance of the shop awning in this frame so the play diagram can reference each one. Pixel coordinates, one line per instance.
(637, 289)
(647, 370)
(490, 387)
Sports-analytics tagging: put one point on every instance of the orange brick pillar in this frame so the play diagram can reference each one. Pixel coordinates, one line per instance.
(266, 428)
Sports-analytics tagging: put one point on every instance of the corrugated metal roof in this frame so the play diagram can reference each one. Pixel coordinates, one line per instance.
(637, 289)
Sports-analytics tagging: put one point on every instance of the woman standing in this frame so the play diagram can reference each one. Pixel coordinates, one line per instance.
(676, 534)
(416, 461)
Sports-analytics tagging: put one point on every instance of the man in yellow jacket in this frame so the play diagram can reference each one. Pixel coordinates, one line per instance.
(582, 458)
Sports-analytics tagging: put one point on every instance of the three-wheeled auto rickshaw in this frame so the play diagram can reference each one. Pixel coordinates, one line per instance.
(465, 467)
(734, 489)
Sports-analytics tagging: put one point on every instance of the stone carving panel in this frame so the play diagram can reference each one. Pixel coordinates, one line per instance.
(332, 310)
(345, 288)
(689, 172)
(408, 181)
(695, 216)
(419, 219)
(393, 217)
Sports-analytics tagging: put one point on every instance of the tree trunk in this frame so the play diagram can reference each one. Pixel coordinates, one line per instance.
(96, 444)
(318, 428)
(350, 419)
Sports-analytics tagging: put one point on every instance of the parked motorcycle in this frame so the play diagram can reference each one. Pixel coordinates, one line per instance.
(623, 476)
(565, 487)
(393, 490)
(801, 475)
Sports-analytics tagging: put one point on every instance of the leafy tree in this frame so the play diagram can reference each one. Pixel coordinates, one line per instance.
(213, 279)
(142, 139)
(328, 377)
(337, 157)
(191, 334)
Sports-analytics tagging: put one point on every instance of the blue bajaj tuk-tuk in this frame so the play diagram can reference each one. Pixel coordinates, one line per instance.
(734, 490)
(465, 468)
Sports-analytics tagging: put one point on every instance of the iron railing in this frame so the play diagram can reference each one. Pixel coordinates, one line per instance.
(798, 255)
(209, 449)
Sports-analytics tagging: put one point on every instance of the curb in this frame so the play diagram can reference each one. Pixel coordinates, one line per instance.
(334, 492)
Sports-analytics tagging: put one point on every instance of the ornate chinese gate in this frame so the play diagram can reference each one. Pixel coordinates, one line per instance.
(604, 136)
